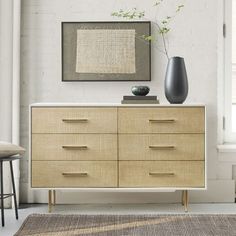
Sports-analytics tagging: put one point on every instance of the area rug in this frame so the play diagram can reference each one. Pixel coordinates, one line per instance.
(135, 225)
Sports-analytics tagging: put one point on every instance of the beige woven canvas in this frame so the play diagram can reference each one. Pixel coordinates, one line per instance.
(105, 51)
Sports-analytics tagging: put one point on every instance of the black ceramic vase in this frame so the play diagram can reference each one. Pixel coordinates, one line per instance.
(176, 81)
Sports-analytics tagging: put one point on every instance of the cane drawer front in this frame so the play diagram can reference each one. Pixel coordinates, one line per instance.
(83, 147)
(161, 147)
(161, 120)
(74, 120)
(161, 174)
(73, 174)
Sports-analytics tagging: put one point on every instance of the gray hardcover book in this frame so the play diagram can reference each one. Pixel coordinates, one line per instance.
(140, 102)
(139, 97)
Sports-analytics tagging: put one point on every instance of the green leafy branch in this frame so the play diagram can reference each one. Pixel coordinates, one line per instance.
(163, 27)
(179, 7)
(132, 14)
(157, 3)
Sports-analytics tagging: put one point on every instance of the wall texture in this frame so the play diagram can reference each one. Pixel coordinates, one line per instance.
(6, 82)
(193, 36)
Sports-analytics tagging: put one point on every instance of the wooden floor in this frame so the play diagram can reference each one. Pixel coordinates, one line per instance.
(12, 225)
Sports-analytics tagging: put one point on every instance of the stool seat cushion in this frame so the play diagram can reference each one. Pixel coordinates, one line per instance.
(9, 149)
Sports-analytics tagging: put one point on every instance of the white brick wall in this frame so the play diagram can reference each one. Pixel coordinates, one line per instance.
(193, 36)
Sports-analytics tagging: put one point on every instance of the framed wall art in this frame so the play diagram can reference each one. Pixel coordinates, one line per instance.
(106, 51)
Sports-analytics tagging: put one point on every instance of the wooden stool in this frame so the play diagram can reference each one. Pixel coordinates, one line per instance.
(6, 195)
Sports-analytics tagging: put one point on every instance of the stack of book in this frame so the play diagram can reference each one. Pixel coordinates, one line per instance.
(140, 100)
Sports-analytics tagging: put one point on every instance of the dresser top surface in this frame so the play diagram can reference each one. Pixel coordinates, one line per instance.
(112, 105)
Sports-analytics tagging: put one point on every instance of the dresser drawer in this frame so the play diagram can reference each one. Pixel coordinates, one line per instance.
(75, 147)
(74, 120)
(72, 174)
(161, 147)
(161, 174)
(161, 120)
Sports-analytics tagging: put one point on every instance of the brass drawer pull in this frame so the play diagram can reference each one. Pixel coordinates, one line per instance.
(162, 147)
(74, 120)
(159, 174)
(78, 147)
(162, 120)
(75, 174)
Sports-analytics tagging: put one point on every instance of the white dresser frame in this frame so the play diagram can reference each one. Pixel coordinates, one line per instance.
(52, 191)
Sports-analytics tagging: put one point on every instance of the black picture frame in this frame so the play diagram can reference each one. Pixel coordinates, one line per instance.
(142, 51)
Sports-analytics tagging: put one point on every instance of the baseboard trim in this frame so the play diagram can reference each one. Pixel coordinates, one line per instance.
(219, 191)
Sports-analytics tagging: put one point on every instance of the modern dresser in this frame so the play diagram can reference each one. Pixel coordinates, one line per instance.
(121, 147)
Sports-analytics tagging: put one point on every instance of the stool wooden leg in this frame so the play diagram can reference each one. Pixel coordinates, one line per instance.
(2, 200)
(49, 201)
(14, 189)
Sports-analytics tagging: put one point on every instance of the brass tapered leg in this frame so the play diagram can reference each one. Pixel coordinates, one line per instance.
(186, 200)
(183, 197)
(54, 197)
(49, 201)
